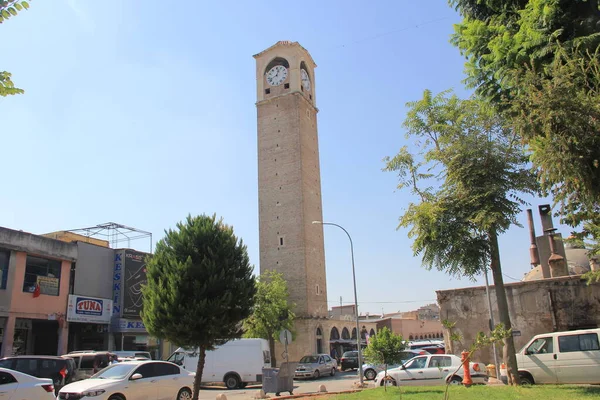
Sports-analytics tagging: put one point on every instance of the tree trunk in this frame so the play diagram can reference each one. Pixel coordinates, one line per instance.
(199, 371)
(272, 350)
(510, 358)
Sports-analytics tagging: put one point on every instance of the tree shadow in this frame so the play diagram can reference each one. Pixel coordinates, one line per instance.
(583, 390)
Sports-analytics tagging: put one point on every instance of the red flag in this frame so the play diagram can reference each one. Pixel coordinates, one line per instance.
(36, 291)
(63, 372)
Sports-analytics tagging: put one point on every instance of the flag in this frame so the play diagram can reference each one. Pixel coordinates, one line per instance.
(36, 291)
(63, 372)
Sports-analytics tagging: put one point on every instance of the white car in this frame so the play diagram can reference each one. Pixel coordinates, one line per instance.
(17, 385)
(134, 380)
(370, 371)
(431, 370)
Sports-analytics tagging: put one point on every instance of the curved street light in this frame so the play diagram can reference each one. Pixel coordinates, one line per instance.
(360, 374)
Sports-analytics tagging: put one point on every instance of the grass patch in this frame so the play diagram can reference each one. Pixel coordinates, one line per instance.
(476, 393)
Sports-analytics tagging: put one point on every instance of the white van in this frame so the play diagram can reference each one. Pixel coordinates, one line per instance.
(561, 357)
(236, 363)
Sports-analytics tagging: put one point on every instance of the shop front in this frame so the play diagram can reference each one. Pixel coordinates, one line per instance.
(131, 335)
(89, 322)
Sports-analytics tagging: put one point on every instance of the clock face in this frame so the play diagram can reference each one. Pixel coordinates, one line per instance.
(276, 75)
(305, 80)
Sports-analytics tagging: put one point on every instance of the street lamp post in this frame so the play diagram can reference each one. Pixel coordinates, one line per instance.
(360, 375)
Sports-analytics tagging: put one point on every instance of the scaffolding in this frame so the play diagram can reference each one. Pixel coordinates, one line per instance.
(115, 234)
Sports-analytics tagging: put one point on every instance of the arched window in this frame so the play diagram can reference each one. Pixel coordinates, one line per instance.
(354, 333)
(335, 334)
(319, 333)
(410, 337)
(421, 337)
(319, 341)
(277, 61)
(345, 334)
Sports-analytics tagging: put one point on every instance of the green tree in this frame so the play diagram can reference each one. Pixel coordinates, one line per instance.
(469, 175)
(500, 36)
(384, 348)
(557, 112)
(200, 287)
(9, 9)
(272, 312)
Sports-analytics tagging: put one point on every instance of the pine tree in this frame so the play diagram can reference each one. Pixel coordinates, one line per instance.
(200, 287)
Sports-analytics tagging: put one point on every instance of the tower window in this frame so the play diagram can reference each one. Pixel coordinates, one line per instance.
(267, 91)
(318, 290)
(310, 95)
(281, 241)
(286, 85)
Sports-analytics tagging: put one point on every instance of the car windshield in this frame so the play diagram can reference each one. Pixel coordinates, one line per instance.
(309, 360)
(350, 354)
(115, 371)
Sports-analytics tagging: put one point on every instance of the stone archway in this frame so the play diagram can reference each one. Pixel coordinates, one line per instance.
(335, 334)
(345, 334)
(319, 341)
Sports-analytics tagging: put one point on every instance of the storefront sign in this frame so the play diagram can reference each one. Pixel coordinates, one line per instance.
(128, 325)
(89, 309)
(48, 285)
(133, 279)
(117, 282)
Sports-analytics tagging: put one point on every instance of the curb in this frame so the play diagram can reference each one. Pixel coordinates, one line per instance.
(315, 394)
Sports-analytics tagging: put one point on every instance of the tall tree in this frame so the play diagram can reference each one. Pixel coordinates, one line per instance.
(469, 174)
(272, 313)
(200, 287)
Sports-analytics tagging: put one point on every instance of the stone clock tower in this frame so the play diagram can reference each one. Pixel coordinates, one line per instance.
(289, 186)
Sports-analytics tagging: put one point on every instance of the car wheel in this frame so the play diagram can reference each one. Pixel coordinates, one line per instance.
(317, 374)
(388, 381)
(117, 397)
(370, 374)
(456, 380)
(332, 371)
(526, 379)
(232, 382)
(184, 394)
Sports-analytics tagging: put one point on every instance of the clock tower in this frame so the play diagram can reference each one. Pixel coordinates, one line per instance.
(289, 184)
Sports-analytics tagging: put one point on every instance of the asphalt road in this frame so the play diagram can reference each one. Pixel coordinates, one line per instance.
(340, 382)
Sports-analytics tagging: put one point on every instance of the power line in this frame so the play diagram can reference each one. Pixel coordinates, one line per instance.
(377, 36)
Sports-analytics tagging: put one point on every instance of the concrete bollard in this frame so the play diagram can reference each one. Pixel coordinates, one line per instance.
(221, 397)
(322, 389)
(260, 395)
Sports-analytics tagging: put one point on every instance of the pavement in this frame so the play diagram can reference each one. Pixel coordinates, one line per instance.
(341, 382)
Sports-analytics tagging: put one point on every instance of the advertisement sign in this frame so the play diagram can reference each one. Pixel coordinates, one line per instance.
(128, 326)
(48, 285)
(118, 282)
(89, 309)
(134, 277)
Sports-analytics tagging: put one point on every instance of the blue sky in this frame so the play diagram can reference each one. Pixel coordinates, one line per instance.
(141, 112)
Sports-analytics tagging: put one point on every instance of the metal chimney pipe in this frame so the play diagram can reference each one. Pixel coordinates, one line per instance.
(546, 217)
(534, 254)
(556, 262)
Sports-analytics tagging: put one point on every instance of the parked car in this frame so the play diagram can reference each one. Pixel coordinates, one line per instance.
(349, 360)
(17, 385)
(134, 380)
(316, 365)
(87, 364)
(370, 371)
(419, 344)
(431, 370)
(561, 357)
(60, 370)
(434, 349)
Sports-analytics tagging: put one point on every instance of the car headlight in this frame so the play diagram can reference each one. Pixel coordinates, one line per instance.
(93, 393)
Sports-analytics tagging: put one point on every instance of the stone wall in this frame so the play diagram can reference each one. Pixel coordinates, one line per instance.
(535, 307)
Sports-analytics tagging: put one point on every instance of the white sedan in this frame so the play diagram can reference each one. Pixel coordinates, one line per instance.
(134, 380)
(17, 385)
(431, 370)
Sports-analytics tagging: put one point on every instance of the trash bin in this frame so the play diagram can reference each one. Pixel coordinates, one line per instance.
(277, 380)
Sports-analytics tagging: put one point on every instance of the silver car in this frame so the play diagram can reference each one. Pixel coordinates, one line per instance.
(315, 366)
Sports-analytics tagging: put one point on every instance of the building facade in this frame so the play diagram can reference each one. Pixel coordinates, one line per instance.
(34, 293)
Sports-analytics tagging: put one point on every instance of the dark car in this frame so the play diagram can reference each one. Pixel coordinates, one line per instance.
(349, 360)
(60, 370)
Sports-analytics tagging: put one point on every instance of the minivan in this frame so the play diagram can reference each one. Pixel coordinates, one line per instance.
(61, 370)
(87, 364)
(561, 357)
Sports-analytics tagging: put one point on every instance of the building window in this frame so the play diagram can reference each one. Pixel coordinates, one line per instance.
(4, 259)
(286, 86)
(42, 272)
(281, 241)
(267, 91)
